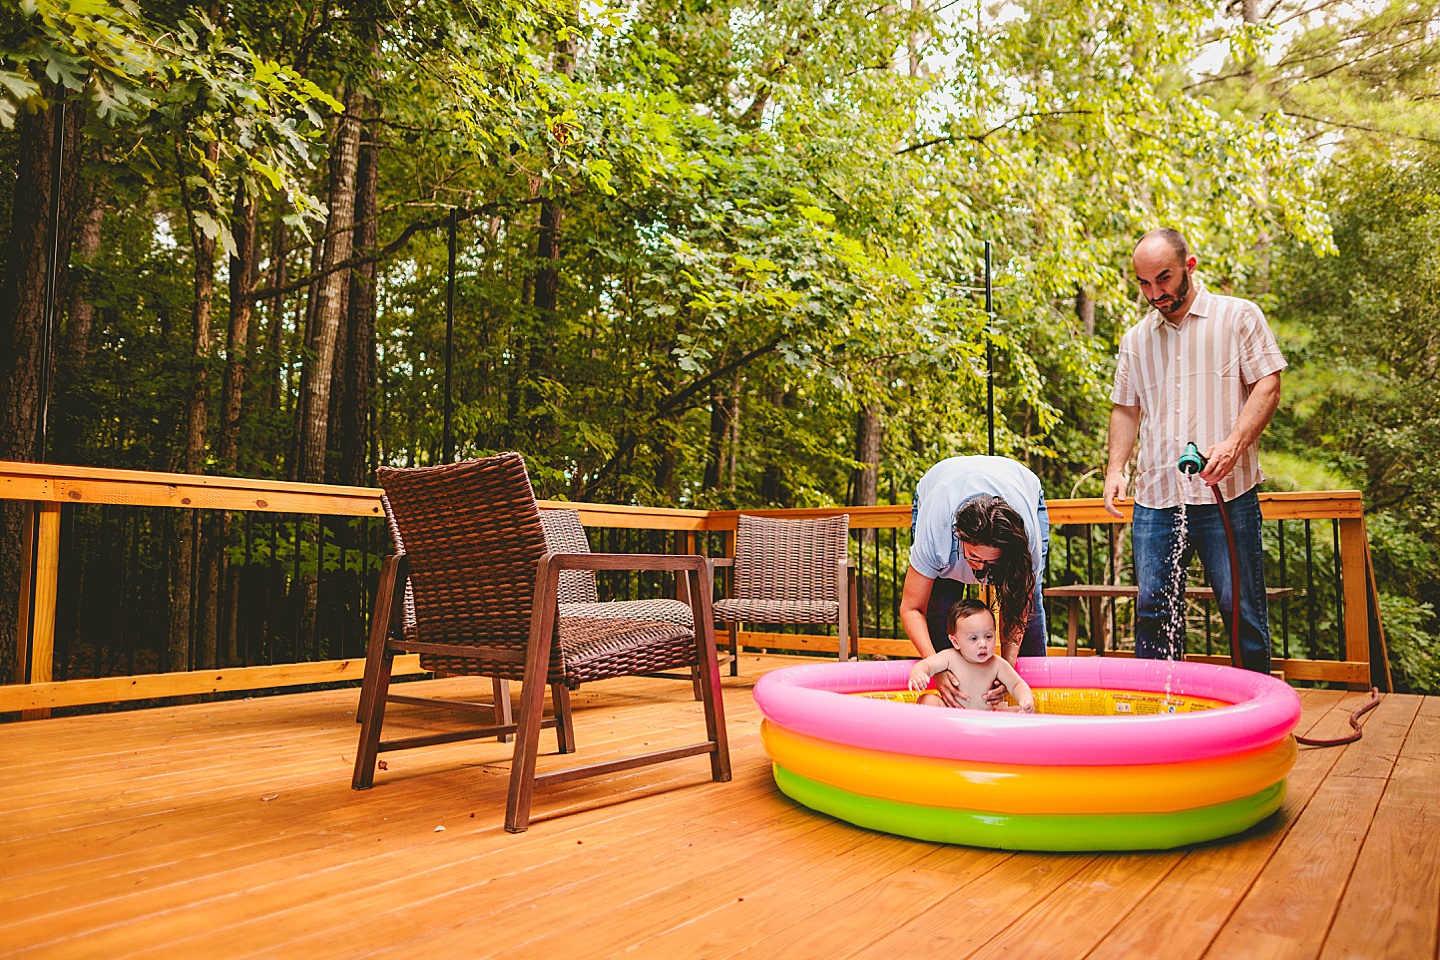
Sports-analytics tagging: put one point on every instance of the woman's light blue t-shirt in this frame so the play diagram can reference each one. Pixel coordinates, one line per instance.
(935, 552)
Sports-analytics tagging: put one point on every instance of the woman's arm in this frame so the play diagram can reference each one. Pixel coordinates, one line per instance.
(914, 601)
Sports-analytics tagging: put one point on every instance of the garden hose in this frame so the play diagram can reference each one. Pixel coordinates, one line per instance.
(1192, 462)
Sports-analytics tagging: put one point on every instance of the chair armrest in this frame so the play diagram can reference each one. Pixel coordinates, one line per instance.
(625, 561)
(722, 561)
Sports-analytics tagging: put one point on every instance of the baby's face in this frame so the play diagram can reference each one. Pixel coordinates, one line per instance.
(974, 637)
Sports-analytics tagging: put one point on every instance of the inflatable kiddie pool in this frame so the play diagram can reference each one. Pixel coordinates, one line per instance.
(1120, 755)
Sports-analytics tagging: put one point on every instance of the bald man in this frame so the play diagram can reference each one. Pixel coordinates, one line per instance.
(1204, 368)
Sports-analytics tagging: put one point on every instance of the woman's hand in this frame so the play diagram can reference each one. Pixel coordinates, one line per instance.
(995, 695)
(919, 678)
(949, 689)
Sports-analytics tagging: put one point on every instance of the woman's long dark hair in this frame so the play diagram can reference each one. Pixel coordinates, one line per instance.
(988, 521)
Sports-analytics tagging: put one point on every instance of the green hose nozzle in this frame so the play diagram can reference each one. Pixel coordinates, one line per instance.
(1191, 462)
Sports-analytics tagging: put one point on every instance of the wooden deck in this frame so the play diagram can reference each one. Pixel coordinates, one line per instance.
(229, 830)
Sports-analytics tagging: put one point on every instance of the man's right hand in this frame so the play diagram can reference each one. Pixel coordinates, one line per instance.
(1114, 490)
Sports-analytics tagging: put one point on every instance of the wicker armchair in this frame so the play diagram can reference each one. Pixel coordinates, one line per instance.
(789, 571)
(580, 596)
(485, 599)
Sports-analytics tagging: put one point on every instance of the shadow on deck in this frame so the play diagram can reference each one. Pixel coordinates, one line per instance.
(229, 830)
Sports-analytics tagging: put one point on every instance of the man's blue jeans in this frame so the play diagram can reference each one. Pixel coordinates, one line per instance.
(1153, 535)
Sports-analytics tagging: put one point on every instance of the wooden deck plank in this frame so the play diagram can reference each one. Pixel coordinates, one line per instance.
(1188, 907)
(958, 924)
(144, 835)
(443, 883)
(851, 924)
(491, 888)
(1401, 853)
(1289, 908)
(775, 902)
(622, 910)
(1066, 923)
(349, 811)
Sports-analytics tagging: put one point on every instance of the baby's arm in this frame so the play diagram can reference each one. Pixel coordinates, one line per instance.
(927, 668)
(1018, 688)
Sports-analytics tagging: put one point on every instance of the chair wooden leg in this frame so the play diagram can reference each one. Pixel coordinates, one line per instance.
(378, 682)
(843, 628)
(734, 649)
(532, 700)
(711, 694)
(504, 712)
(389, 598)
(695, 683)
(564, 719)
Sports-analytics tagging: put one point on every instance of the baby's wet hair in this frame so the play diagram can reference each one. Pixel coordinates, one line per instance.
(961, 609)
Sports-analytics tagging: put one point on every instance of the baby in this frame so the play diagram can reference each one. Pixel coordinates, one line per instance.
(972, 660)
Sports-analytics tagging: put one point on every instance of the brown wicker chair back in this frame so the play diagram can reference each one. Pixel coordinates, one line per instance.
(472, 535)
(564, 533)
(789, 559)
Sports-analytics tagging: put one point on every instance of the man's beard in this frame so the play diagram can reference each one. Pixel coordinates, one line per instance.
(1179, 298)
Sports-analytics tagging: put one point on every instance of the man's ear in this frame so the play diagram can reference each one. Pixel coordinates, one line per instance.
(1190, 262)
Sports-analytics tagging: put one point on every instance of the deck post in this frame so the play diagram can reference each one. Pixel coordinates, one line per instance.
(1355, 579)
(42, 613)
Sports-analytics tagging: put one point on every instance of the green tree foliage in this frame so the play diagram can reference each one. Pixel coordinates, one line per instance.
(1364, 335)
(699, 241)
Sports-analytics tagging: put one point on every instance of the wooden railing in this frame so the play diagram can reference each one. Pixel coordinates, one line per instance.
(49, 489)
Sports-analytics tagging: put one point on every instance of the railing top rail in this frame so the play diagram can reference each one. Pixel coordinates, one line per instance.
(70, 484)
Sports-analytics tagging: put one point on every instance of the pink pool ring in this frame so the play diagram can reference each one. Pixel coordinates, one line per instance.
(1041, 781)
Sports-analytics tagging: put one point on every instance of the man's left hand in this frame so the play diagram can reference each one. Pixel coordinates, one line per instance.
(1220, 460)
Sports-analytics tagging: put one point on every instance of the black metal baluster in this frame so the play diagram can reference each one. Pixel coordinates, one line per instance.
(1339, 593)
(297, 591)
(1114, 579)
(896, 578)
(1284, 601)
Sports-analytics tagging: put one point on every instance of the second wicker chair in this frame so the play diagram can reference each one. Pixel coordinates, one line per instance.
(789, 572)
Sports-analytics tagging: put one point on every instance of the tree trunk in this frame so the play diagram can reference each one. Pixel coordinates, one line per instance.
(868, 426)
(22, 315)
(22, 298)
(330, 290)
(719, 431)
(242, 279)
(70, 412)
(773, 488)
(183, 578)
(1085, 309)
(275, 333)
(734, 417)
(354, 418)
(75, 349)
(866, 487)
(547, 300)
(203, 250)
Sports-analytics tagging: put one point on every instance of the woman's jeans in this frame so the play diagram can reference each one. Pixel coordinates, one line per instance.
(1161, 579)
(945, 592)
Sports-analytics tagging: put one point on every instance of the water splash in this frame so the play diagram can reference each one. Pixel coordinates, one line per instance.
(1173, 631)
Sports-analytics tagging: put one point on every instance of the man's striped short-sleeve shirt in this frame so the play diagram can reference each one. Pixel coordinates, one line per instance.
(1190, 379)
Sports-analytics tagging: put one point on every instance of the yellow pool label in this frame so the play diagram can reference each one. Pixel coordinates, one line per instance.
(1079, 702)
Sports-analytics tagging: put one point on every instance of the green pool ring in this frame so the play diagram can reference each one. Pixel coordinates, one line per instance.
(1048, 832)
